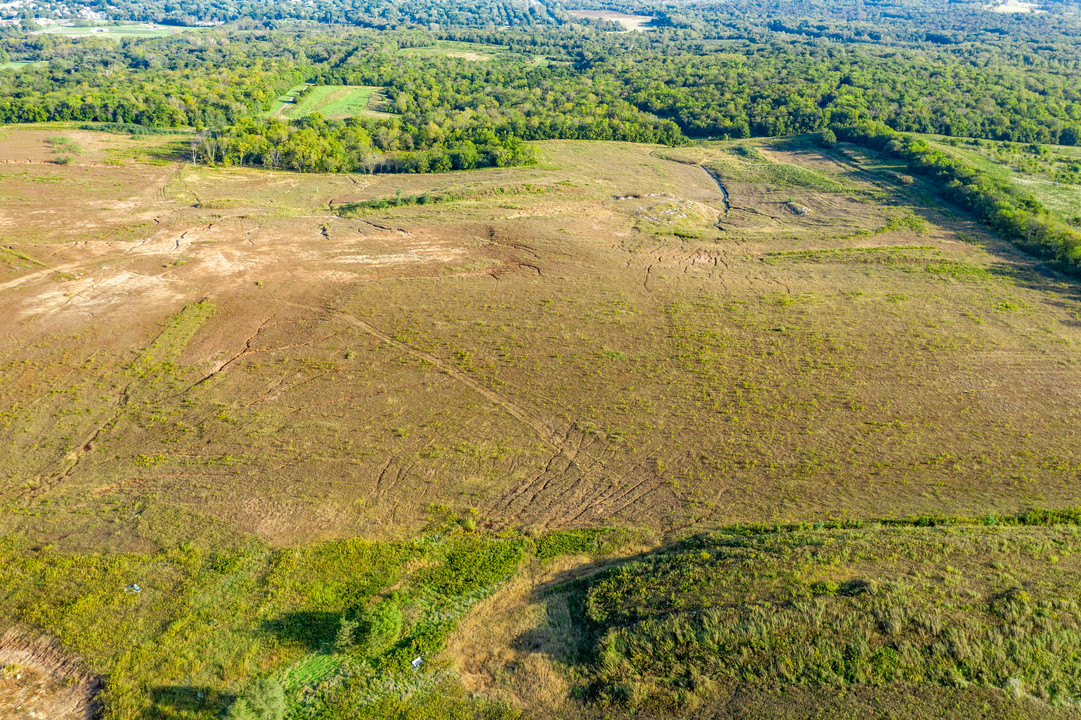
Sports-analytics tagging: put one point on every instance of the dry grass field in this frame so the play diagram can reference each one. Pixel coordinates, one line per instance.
(591, 340)
(201, 365)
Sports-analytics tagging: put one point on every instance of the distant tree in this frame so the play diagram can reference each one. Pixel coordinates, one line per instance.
(826, 139)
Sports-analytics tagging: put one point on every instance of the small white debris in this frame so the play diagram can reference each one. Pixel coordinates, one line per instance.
(417, 662)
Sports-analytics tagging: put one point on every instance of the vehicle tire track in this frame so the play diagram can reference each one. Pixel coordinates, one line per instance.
(545, 433)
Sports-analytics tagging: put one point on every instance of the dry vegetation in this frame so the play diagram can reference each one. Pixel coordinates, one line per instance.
(565, 345)
(228, 357)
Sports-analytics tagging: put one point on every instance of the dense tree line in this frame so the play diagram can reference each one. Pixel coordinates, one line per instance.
(313, 144)
(364, 13)
(186, 81)
(749, 68)
(796, 88)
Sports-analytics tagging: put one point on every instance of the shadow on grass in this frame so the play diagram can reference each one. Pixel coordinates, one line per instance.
(314, 630)
(174, 700)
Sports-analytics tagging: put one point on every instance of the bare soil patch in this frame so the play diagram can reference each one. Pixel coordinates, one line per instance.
(37, 680)
(629, 22)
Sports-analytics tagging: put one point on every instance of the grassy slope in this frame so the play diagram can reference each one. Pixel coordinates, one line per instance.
(917, 619)
(949, 606)
(285, 101)
(852, 358)
(217, 610)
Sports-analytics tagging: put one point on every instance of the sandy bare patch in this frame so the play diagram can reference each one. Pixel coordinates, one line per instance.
(471, 56)
(1015, 6)
(37, 680)
(99, 294)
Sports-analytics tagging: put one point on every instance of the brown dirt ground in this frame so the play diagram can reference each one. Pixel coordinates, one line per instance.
(553, 355)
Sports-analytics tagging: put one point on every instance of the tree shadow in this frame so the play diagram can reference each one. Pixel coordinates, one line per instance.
(569, 637)
(171, 700)
(314, 630)
(1058, 290)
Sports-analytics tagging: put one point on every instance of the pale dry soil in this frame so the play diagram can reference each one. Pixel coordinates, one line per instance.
(39, 682)
(589, 341)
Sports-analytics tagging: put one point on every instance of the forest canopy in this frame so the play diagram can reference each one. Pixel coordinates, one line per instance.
(469, 85)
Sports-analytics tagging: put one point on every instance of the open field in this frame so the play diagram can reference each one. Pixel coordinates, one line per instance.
(629, 22)
(334, 102)
(140, 30)
(17, 65)
(214, 379)
(285, 101)
(1051, 173)
(1015, 6)
(474, 52)
(827, 346)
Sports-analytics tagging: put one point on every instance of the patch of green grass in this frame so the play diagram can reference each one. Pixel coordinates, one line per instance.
(19, 65)
(332, 101)
(1050, 173)
(209, 617)
(285, 100)
(163, 352)
(7, 254)
(118, 30)
(433, 198)
(450, 48)
(578, 542)
(746, 164)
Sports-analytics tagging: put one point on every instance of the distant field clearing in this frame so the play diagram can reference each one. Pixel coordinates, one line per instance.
(140, 30)
(630, 22)
(17, 65)
(333, 101)
(1015, 6)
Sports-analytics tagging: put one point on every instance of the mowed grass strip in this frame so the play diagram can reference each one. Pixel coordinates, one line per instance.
(334, 102)
(112, 30)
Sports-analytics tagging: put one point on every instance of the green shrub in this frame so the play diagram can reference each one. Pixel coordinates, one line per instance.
(471, 564)
(936, 602)
(380, 627)
(263, 700)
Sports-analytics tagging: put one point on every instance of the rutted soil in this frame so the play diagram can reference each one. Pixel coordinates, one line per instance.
(587, 347)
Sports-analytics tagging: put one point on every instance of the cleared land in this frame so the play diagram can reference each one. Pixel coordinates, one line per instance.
(123, 30)
(629, 22)
(334, 102)
(1051, 173)
(17, 65)
(586, 341)
(475, 52)
(214, 380)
